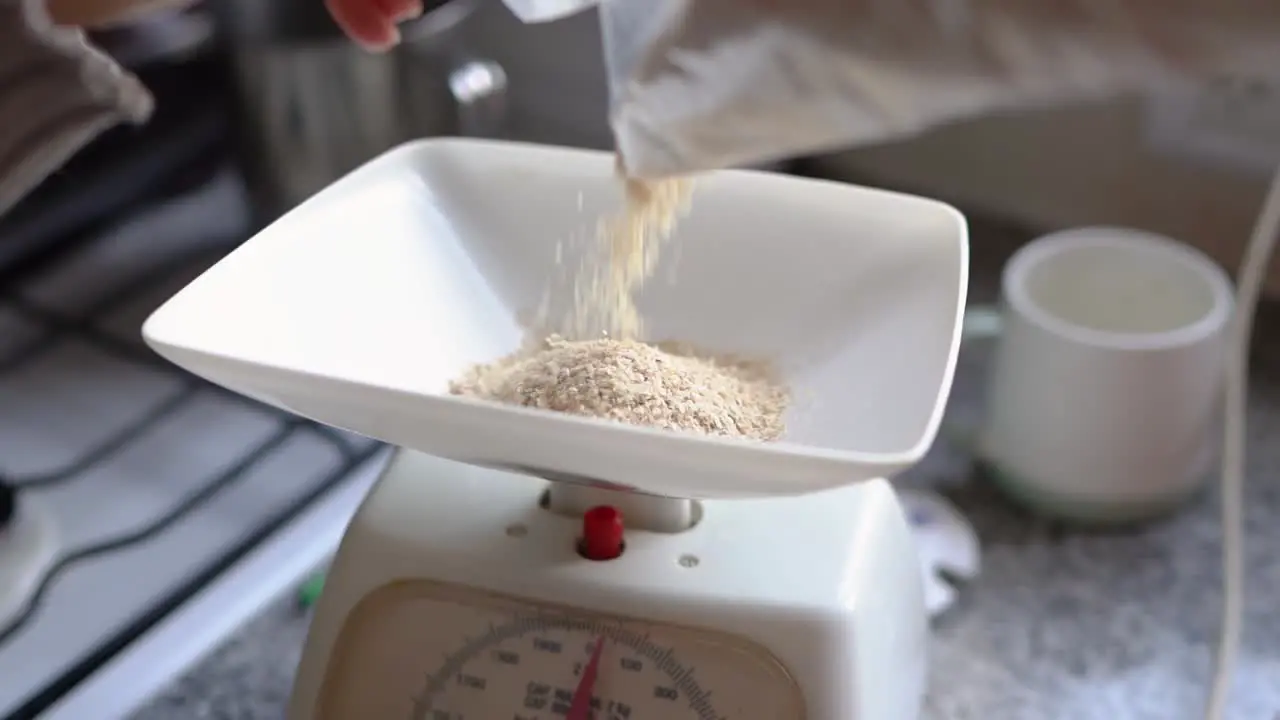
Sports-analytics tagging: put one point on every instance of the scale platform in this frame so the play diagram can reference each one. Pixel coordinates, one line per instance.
(357, 308)
(517, 564)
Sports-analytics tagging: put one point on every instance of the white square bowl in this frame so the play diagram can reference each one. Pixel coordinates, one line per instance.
(357, 308)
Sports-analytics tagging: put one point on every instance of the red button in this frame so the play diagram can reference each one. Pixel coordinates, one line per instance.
(602, 533)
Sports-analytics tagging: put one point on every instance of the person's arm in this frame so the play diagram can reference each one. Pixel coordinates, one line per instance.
(57, 92)
(96, 14)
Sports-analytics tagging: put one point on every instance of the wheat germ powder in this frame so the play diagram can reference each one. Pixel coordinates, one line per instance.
(603, 370)
(636, 383)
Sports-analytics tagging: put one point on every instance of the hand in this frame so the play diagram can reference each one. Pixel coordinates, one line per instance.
(372, 23)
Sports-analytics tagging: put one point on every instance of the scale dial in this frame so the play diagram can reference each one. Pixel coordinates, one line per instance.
(420, 650)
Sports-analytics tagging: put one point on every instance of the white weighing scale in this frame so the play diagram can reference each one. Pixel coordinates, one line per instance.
(563, 567)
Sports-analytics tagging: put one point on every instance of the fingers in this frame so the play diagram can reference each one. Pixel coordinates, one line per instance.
(399, 10)
(366, 22)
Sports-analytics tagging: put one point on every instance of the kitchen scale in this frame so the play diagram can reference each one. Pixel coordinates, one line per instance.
(514, 564)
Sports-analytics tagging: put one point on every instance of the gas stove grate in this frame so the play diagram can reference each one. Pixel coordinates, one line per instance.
(49, 326)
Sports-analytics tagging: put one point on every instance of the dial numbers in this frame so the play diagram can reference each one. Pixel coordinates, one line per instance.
(427, 651)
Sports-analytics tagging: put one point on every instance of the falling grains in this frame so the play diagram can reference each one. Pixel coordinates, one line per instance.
(602, 369)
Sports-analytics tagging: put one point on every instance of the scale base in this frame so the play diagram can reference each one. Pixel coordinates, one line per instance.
(28, 549)
(829, 583)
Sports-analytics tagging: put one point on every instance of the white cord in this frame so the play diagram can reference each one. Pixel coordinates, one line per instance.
(1253, 271)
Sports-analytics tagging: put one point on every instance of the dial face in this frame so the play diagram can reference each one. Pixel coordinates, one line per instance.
(418, 650)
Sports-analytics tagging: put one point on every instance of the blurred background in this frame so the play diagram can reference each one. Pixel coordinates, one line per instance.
(182, 510)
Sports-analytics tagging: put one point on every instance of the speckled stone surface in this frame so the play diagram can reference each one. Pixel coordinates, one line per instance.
(1062, 624)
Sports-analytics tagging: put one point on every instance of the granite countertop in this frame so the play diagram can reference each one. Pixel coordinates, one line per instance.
(1060, 624)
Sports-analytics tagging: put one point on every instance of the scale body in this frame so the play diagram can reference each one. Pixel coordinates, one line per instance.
(792, 591)
(459, 593)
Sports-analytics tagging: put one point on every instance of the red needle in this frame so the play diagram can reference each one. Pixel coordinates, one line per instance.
(580, 708)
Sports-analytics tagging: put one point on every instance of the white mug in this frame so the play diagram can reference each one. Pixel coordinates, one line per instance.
(1104, 394)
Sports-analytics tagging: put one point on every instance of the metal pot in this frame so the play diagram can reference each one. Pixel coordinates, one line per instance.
(313, 106)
